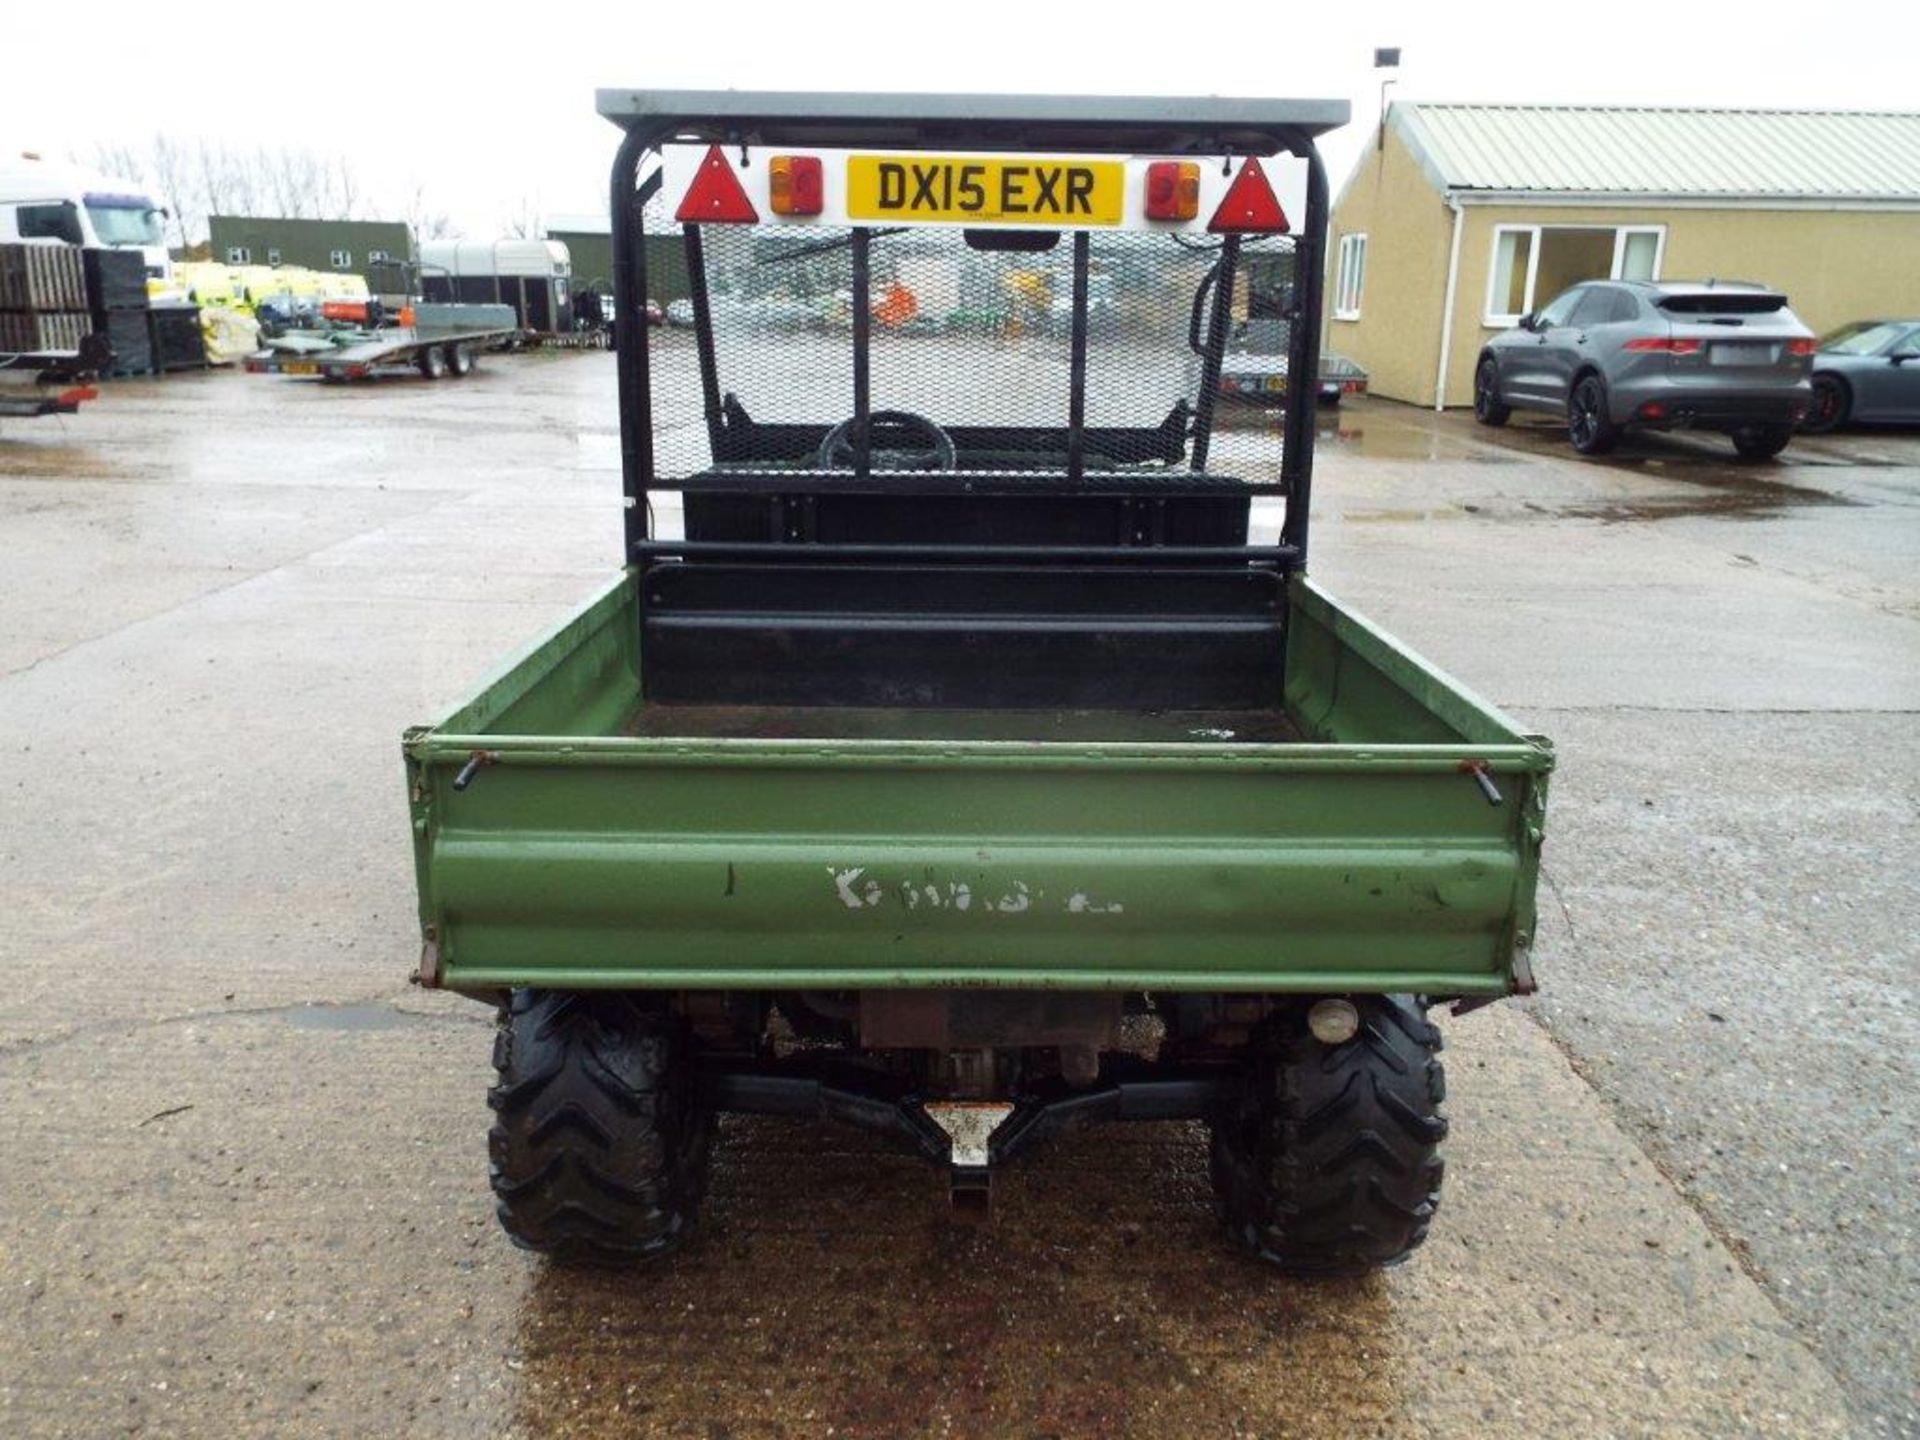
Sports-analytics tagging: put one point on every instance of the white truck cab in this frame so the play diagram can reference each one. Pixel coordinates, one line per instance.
(41, 200)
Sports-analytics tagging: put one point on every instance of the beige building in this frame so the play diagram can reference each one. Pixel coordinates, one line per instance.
(1462, 218)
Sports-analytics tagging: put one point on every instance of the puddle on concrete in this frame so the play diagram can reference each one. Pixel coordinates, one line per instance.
(1408, 516)
(350, 1017)
(1732, 497)
(828, 1293)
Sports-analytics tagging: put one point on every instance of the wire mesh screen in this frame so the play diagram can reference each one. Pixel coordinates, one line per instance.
(975, 338)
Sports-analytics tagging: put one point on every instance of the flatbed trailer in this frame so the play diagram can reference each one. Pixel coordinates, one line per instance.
(19, 403)
(1262, 380)
(433, 353)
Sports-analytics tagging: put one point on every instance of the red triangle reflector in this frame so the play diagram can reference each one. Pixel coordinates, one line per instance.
(716, 196)
(1249, 206)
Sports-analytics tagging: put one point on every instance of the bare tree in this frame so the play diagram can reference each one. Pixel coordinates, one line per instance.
(199, 178)
(424, 222)
(343, 188)
(172, 179)
(524, 222)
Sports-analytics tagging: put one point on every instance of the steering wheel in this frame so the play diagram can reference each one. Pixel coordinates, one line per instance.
(886, 427)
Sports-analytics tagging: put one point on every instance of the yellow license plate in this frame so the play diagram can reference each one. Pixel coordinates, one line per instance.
(300, 367)
(982, 190)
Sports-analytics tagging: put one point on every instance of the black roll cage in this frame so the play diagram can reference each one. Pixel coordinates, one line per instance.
(1207, 127)
(1076, 586)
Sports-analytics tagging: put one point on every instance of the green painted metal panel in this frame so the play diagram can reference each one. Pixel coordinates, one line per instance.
(1362, 860)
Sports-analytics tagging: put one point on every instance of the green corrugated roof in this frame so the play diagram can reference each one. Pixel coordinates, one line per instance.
(1853, 155)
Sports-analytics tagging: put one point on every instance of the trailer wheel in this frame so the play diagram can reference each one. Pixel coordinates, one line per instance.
(460, 359)
(598, 1146)
(432, 362)
(1330, 1165)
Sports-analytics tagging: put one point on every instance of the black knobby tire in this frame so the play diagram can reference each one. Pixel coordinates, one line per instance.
(1761, 442)
(1832, 405)
(432, 362)
(599, 1150)
(1589, 427)
(1488, 407)
(1331, 1164)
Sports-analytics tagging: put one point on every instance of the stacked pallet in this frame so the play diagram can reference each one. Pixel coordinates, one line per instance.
(42, 277)
(43, 299)
(177, 341)
(34, 333)
(117, 301)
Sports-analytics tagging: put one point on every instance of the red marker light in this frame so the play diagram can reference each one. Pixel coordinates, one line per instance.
(795, 185)
(1250, 207)
(1173, 190)
(716, 196)
(1661, 345)
(1802, 347)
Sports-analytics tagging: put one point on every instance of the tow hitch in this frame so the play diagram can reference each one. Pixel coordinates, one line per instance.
(969, 1138)
(970, 1126)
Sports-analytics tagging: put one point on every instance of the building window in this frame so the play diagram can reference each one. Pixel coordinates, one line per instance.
(1351, 278)
(273, 257)
(340, 259)
(239, 255)
(1533, 263)
(1636, 252)
(378, 257)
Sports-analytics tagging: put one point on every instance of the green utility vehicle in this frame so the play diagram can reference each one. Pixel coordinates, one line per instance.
(962, 751)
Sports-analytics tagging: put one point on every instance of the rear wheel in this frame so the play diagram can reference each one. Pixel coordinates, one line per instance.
(1488, 407)
(1588, 425)
(598, 1145)
(432, 362)
(460, 359)
(1761, 442)
(1331, 1163)
(1832, 404)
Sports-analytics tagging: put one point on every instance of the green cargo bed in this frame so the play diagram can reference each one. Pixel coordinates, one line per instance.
(1339, 842)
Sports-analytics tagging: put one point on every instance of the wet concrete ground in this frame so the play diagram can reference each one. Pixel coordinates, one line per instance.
(246, 1180)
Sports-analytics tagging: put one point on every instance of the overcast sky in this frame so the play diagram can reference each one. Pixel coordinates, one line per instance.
(491, 107)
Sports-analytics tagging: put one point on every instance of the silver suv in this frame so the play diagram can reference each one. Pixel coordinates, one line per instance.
(1613, 355)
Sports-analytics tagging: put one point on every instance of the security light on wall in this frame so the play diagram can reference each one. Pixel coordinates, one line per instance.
(1385, 57)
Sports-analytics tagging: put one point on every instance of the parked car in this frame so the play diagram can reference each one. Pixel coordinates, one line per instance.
(680, 313)
(1618, 355)
(1869, 370)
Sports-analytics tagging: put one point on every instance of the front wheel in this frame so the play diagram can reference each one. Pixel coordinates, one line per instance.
(1589, 427)
(1761, 442)
(1832, 403)
(1330, 1164)
(599, 1146)
(1488, 407)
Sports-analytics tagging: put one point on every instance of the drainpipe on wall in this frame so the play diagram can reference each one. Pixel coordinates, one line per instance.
(1446, 314)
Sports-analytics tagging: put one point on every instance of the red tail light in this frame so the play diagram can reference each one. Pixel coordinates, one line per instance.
(1173, 190)
(1250, 207)
(795, 185)
(716, 196)
(1658, 344)
(1802, 347)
